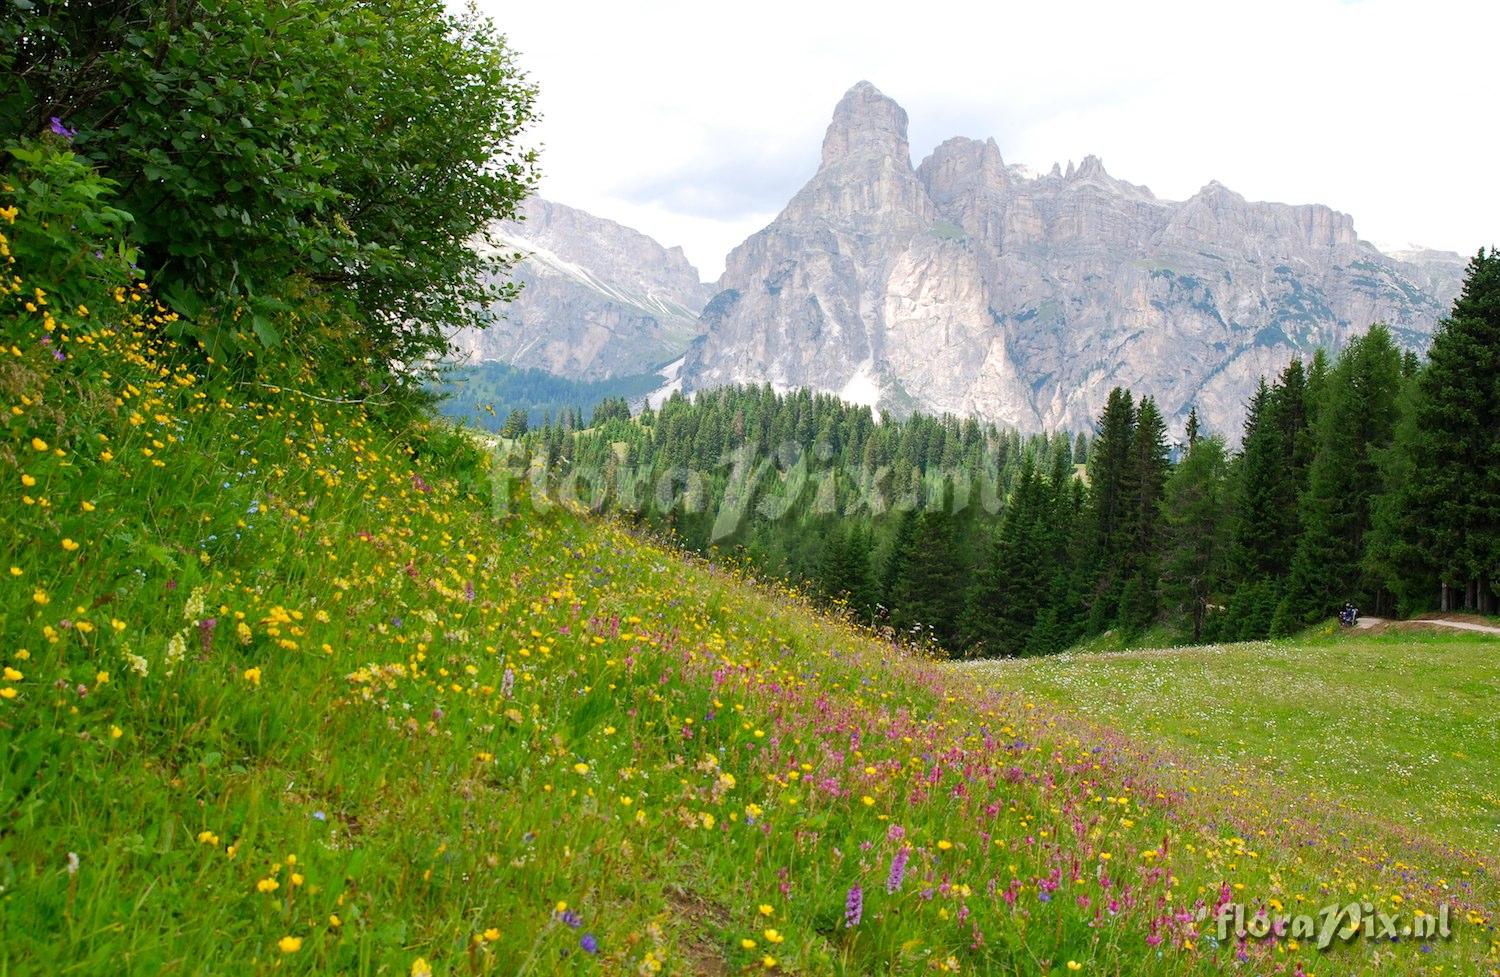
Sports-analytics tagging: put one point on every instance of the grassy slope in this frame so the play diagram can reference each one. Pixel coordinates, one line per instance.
(287, 696)
(1401, 724)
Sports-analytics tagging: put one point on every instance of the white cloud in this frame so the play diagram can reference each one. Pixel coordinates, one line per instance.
(696, 123)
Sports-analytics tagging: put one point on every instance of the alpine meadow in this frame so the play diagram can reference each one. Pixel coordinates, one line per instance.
(993, 571)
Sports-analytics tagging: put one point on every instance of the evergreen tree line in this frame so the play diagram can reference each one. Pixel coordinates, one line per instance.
(510, 400)
(1371, 477)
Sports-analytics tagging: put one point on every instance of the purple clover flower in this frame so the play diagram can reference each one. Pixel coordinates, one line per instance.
(589, 942)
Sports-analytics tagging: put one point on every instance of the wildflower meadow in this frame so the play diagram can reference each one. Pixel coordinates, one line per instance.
(286, 691)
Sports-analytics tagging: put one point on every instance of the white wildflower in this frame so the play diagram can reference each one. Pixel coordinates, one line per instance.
(137, 663)
(194, 608)
(176, 651)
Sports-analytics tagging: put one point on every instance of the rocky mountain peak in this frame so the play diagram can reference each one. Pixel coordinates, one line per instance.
(866, 123)
(1092, 168)
(1217, 194)
(961, 163)
(970, 287)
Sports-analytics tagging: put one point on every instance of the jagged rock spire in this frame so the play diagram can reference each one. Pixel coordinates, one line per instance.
(866, 122)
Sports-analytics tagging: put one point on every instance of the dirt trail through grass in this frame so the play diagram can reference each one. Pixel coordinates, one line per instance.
(1365, 623)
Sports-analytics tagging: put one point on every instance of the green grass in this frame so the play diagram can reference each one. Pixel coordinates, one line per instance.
(1402, 726)
(288, 692)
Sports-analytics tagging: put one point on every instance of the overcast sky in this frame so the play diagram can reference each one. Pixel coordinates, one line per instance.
(696, 122)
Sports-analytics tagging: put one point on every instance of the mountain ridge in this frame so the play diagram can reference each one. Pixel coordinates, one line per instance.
(598, 299)
(968, 285)
(960, 285)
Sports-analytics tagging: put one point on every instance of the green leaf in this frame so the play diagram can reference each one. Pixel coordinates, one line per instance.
(183, 302)
(265, 331)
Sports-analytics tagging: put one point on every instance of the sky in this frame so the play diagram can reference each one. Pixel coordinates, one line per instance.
(696, 122)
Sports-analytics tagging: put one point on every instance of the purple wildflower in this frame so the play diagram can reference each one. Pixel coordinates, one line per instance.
(58, 128)
(898, 870)
(854, 906)
(571, 919)
(589, 943)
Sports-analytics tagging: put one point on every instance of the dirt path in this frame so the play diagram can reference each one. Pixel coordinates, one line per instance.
(1371, 622)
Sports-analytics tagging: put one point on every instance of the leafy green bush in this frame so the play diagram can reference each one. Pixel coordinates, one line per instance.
(73, 240)
(311, 171)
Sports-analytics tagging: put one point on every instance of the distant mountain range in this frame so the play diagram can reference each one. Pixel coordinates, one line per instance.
(598, 299)
(970, 286)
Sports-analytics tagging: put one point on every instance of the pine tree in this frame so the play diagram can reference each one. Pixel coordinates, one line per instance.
(1291, 401)
(1196, 512)
(515, 424)
(1270, 477)
(1015, 582)
(843, 571)
(900, 553)
(1355, 423)
(1259, 545)
(929, 585)
(1444, 524)
(1144, 481)
(1109, 464)
(1398, 522)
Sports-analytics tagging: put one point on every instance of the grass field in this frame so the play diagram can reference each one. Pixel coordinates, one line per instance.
(284, 693)
(1402, 727)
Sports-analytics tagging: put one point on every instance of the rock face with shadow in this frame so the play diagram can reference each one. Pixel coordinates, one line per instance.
(597, 300)
(968, 286)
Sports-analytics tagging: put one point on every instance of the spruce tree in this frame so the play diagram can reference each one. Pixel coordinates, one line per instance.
(1145, 479)
(1260, 548)
(899, 553)
(1446, 531)
(1355, 423)
(1016, 581)
(1394, 554)
(1108, 468)
(929, 585)
(515, 424)
(1196, 513)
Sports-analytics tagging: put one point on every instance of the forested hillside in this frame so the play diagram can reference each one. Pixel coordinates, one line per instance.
(1369, 476)
(509, 400)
